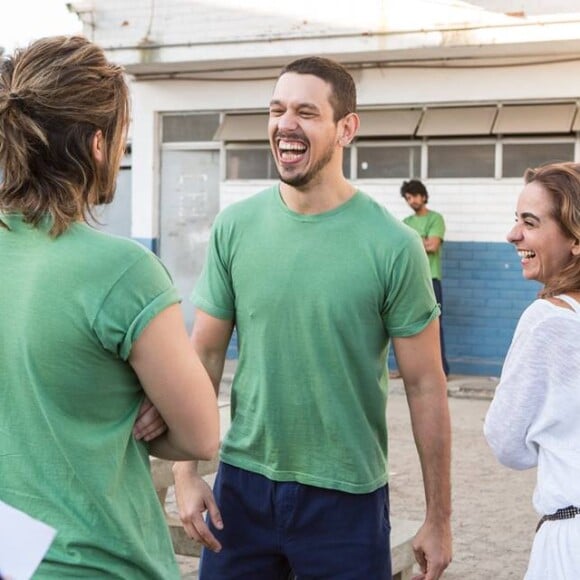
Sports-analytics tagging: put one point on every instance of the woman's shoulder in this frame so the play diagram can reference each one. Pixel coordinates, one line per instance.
(96, 241)
(107, 256)
(543, 318)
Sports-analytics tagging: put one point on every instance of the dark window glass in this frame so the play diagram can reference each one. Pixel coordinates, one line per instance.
(258, 164)
(250, 164)
(517, 157)
(377, 162)
(346, 162)
(461, 160)
(188, 128)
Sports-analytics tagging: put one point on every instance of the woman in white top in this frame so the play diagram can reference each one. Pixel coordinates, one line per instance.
(534, 419)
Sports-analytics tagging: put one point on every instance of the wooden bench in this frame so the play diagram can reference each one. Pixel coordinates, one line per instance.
(402, 531)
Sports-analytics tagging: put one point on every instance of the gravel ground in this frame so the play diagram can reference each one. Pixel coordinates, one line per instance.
(493, 520)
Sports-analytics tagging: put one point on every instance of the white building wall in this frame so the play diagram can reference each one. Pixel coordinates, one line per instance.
(383, 87)
(478, 84)
(479, 210)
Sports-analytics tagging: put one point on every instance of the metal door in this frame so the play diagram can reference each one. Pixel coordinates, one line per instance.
(188, 206)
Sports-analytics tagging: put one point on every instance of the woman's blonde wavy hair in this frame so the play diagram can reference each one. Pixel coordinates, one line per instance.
(55, 96)
(561, 181)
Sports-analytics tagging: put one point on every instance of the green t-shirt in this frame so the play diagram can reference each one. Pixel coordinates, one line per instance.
(315, 299)
(430, 225)
(71, 307)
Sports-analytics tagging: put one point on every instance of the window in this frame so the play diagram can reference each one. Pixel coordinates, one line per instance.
(250, 163)
(461, 160)
(465, 142)
(189, 128)
(346, 156)
(384, 161)
(256, 162)
(517, 157)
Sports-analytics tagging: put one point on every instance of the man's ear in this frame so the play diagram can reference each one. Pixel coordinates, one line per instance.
(98, 147)
(348, 128)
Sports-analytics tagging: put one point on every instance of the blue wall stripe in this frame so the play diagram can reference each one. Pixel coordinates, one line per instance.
(150, 243)
(484, 294)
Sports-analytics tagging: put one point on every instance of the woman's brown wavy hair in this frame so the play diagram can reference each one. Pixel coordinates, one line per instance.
(562, 183)
(55, 96)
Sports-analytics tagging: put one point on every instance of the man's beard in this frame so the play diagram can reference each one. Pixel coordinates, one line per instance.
(303, 179)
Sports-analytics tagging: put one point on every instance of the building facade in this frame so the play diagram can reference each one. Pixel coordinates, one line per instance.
(463, 95)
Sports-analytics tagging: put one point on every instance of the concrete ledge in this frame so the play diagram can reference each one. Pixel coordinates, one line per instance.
(402, 555)
(182, 543)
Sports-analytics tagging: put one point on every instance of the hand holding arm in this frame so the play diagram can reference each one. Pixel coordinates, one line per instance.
(149, 423)
(432, 244)
(178, 386)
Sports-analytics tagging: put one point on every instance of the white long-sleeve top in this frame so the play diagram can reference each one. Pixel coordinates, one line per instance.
(534, 418)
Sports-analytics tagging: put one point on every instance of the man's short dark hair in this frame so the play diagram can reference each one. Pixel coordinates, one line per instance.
(343, 89)
(414, 187)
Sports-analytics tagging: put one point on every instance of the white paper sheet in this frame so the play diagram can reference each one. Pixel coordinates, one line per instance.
(23, 543)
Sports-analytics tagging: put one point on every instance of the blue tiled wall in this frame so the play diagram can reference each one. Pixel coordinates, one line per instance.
(232, 351)
(484, 294)
(150, 243)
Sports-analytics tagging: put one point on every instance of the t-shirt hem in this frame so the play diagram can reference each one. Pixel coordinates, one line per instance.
(416, 328)
(210, 308)
(305, 478)
(166, 299)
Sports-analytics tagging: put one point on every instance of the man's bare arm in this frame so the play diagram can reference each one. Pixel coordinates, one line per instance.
(419, 362)
(210, 338)
(432, 244)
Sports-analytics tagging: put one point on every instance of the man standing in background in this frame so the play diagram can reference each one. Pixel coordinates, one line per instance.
(430, 226)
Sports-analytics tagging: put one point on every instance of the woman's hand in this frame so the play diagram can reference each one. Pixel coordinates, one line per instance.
(149, 423)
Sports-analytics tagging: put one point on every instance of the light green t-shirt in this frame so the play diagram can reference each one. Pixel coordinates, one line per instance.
(71, 307)
(427, 226)
(315, 299)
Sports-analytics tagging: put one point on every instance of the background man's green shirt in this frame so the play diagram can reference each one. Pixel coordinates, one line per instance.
(427, 226)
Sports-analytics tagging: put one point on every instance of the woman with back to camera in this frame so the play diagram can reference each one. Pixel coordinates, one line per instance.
(89, 324)
(534, 417)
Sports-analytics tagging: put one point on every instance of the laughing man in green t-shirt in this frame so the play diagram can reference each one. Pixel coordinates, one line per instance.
(318, 279)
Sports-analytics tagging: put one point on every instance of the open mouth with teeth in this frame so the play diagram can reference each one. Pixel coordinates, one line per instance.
(526, 254)
(291, 150)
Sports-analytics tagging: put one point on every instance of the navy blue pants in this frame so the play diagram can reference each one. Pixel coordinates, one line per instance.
(274, 530)
(439, 297)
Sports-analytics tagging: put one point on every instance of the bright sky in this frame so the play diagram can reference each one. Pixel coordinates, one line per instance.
(22, 21)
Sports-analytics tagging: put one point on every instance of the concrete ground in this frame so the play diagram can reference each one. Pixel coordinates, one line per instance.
(493, 520)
